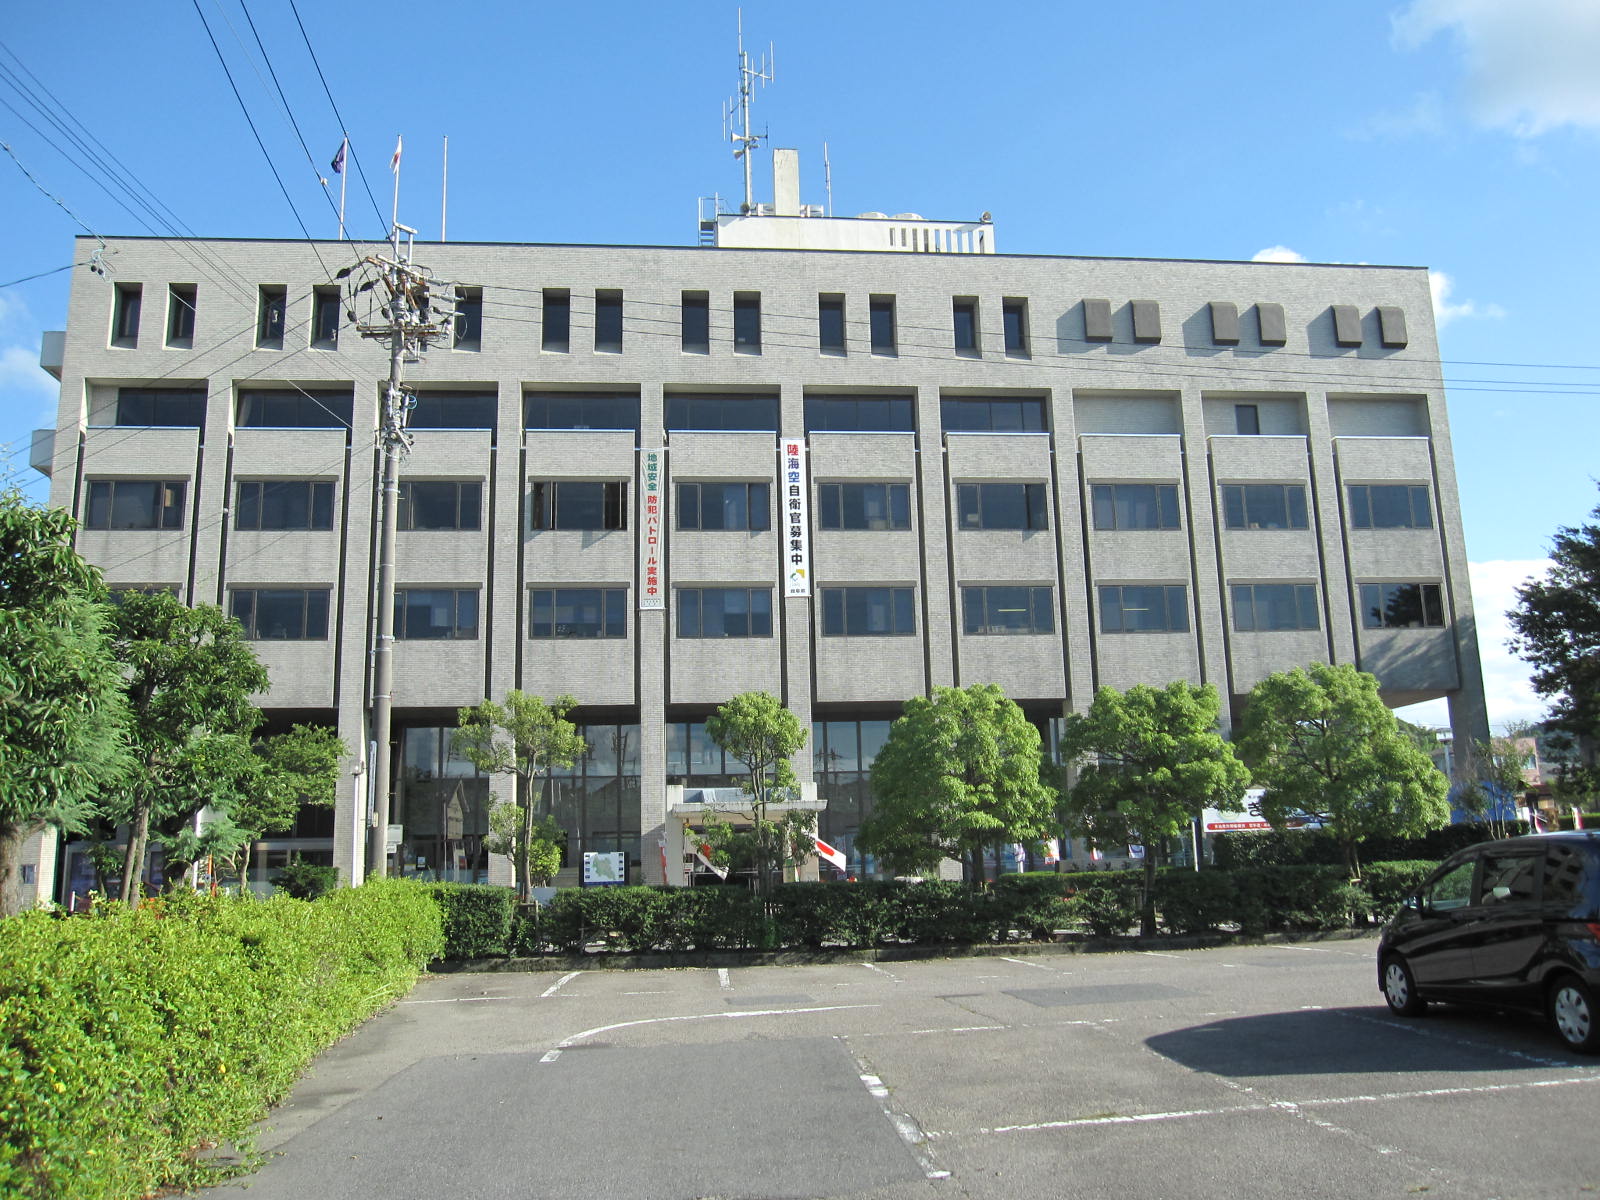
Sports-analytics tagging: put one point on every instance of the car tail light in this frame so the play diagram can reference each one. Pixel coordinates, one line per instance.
(1594, 929)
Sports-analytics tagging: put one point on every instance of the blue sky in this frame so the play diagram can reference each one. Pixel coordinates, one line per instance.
(1456, 134)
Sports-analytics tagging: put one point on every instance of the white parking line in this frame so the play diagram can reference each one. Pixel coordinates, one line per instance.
(1022, 962)
(723, 981)
(559, 984)
(550, 1056)
(1158, 954)
(881, 971)
(568, 1043)
(460, 1000)
(904, 1124)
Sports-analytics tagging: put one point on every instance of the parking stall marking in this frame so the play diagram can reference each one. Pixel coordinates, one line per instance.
(559, 984)
(912, 1134)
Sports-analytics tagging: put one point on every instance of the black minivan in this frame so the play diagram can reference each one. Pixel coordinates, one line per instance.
(1506, 924)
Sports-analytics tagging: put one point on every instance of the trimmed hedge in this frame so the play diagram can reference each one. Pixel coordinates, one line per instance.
(132, 1040)
(1034, 906)
(477, 918)
(1276, 848)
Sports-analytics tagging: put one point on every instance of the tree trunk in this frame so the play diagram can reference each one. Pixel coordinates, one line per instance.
(244, 866)
(11, 837)
(1147, 902)
(133, 858)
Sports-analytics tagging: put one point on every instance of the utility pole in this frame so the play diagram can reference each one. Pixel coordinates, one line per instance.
(403, 291)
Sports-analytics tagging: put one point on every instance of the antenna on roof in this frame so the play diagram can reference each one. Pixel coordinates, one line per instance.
(740, 133)
(827, 177)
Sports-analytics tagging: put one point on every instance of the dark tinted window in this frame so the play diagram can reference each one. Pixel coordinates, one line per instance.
(1015, 317)
(455, 410)
(181, 407)
(608, 322)
(1389, 506)
(579, 504)
(556, 311)
(1006, 610)
(284, 504)
(731, 413)
(1401, 605)
(1509, 878)
(1572, 880)
(135, 504)
(964, 321)
(281, 408)
(440, 504)
(435, 614)
(1134, 608)
(286, 614)
(830, 324)
(1262, 607)
(469, 318)
(578, 613)
(724, 612)
(1264, 506)
(1011, 414)
(868, 612)
(580, 410)
(1451, 890)
(880, 315)
(863, 506)
(696, 323)
(747, 322)
(1003, 505)
(859, 414)
(735, 506)
(325, 318)
(1135, 506)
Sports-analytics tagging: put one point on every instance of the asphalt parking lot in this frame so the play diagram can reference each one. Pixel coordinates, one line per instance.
(1267, 1070)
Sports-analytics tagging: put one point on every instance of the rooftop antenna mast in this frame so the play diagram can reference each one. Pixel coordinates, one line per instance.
(740, 133)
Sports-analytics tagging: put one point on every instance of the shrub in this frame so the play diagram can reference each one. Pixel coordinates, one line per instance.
(305, 880)
(839, 914)
(1193, 902)
(477, 918)
(1388, 883)
(133, 1038)
(715, 918)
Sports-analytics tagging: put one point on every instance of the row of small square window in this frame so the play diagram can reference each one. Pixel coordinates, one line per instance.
(295, 504)
(695, 321)
(421, 614)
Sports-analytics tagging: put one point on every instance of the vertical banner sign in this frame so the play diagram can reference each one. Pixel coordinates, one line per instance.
(652, 595)
(796, 519)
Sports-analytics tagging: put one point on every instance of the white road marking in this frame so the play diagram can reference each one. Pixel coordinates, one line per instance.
(910, 1132)
(1435, 1035)
(1312, 949)
(1158, 954)
(655, 993)
(460, 1000)
(957, 1029)
(881, 971)
(550, 1056)
(568, 1043)
(559, 984)
(1022, 962)
(723, 981)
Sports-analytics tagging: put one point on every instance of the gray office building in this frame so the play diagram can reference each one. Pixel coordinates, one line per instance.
(842, 460)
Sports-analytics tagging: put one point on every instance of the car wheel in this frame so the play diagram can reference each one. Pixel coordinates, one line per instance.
(1575, 1014)
(1400, 989)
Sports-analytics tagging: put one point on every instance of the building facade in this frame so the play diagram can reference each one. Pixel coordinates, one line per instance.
(655, 477)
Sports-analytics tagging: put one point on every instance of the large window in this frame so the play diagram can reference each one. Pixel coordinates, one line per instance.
(135, 504)
(455, 410)
(1264, 505)
(830, 324)
(732, 506)
(1003, 505)
(880, 321)
(1144, 608)
(440, 504)
(580, 410)
(578, 613)
(731, 413)
(1264, 607)
(1001, 414)
(1135, 505)
(180, 407)
(964, 322)
(1401, 605)
(274, 504)
(283, 408)
(869, 612)
(696, 323)
(555, 330)
(608, 322)
(863, 506)
(282, 614)
(579, 504)
(747, 322)
(433, 614)
(724, 612)
(1390, 506)
(1005, 610)
(859, 414)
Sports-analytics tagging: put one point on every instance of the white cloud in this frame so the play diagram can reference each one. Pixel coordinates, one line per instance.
(1278, 254)
(1529, 64)
(23, 382)
(1441, 285)
(1506, 686)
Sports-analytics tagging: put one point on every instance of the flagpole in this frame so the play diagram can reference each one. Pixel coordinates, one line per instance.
(394, 221)
(444, 189)
(344, 176)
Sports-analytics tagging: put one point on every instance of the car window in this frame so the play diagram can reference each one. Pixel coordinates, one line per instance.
(1569, 879)
(1453, 889)
(1509, 878)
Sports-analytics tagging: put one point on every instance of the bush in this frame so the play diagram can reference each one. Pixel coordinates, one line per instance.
(1388, 883)
(1273, 849)
(1106, 901)
(1195, 902)
(477, 918)
(305, 880)
(132, 1039)
(715, 918)
(837, 914)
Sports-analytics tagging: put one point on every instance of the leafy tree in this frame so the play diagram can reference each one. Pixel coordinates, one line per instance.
(755, 729)
(190, 676)
(537, 842)
(1556, 627)
(1321, 743)
(299, 766)
(1148, 761)
(961, 770)
(526, 739)
(62, 713)
(1489, 777)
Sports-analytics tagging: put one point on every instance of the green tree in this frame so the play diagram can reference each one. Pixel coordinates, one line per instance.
(537, 843)
(190, 677)
(1489, 777)
(526, 739)
(755, 729)
(1148, 760)
(1556, 628)
(299, 766)
(961, 771)
(63, 716)
(1321, 743)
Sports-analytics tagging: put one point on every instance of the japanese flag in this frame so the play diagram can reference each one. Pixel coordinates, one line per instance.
(836, 857)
